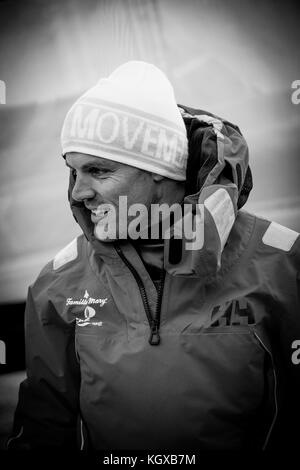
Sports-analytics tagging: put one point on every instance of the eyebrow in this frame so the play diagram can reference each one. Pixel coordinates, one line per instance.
(89, 165)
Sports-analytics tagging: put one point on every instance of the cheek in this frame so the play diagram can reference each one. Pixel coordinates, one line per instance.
(136, 187)
(141, 192)
(109, 189)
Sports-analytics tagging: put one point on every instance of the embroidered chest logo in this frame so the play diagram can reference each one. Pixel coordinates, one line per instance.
(234, 312)
(89, 312)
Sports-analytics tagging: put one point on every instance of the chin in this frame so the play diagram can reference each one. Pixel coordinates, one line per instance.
(103, 235)
(106, 240)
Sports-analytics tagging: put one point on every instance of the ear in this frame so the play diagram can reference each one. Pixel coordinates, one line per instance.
(157, 177)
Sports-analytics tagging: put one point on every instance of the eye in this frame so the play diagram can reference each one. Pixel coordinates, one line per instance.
(95, 171)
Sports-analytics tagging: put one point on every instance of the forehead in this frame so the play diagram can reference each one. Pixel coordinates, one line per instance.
(78, 160)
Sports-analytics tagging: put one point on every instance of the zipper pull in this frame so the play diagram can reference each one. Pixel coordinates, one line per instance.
(154, 339)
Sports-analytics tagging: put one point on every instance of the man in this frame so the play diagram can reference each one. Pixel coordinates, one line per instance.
(142, 335)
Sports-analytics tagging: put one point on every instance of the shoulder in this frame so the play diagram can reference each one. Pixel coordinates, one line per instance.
(282, 238)
(58, 280)
(269, 265)
(277, 238)
(67, 254)
(265, 244)
(70, 259)
(273, 247)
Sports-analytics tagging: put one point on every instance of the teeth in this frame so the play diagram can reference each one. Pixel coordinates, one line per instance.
(101, 210)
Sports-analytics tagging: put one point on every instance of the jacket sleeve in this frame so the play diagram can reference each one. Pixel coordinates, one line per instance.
(48, 405)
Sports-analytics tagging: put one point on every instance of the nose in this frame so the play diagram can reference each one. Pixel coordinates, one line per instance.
(82, 188)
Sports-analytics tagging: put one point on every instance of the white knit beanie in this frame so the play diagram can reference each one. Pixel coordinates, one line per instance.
(130, 117)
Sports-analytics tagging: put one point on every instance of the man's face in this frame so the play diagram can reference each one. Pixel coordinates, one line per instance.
(100, 182)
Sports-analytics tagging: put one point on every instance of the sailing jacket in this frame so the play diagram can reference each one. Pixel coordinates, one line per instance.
(207, 361)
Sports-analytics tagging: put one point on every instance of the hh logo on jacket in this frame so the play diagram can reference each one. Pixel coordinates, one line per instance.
(234, 312)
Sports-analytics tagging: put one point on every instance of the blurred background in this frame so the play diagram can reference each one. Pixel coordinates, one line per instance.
(237, 59)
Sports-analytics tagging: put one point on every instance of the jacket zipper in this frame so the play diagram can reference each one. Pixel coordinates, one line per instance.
(155, 337)
(154, 323)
